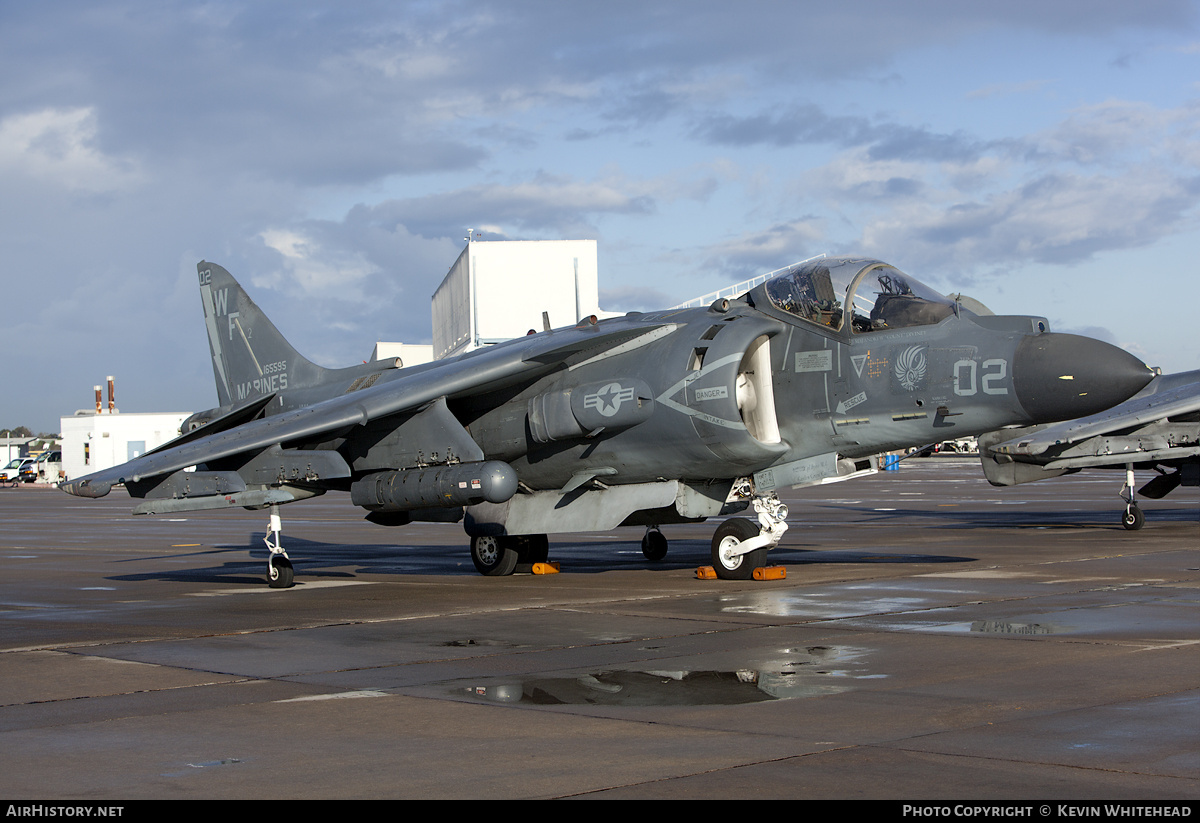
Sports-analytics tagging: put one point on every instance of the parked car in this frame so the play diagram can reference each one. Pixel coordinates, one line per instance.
(41, 469)
(12, 472)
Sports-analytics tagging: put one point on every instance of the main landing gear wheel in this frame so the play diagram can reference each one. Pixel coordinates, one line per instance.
(729, 536)
(1133, 519)
(280, 574)
(533, 548)
(495, 555)
(654, 545)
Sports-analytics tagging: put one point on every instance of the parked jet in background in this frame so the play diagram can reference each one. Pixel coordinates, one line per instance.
(1157, 429)
(646, 419)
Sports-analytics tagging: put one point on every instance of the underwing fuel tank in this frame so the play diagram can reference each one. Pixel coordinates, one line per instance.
(462, 484)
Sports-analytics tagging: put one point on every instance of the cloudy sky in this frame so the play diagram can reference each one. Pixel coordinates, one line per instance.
(1043, 158)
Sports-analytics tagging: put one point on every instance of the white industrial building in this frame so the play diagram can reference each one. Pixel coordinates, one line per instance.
(12, 447)
(409, 354)
(498, 290)
(94, 441)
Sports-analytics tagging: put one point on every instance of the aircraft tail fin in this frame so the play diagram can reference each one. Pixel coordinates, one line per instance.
(251, 359)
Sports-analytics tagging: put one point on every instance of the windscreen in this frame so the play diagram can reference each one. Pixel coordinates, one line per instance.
(883, 297)
(808, 291)
(887, 298)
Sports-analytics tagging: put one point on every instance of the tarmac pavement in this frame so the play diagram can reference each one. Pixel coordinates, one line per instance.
(935, 638)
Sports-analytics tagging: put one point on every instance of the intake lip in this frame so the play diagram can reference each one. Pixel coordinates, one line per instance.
(1065, 376)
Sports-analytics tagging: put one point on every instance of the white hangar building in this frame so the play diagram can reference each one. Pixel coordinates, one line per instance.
(498, 290)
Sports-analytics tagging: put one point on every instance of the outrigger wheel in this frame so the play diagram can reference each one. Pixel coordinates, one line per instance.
(1133, 519)
(279, 568)
(280, 574)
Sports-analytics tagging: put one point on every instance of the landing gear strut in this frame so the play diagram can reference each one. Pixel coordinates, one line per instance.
(279, 567)
(740, 545)
(1132, 519)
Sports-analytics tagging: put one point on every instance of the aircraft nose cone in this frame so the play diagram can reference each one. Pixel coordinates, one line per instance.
(1064, 376)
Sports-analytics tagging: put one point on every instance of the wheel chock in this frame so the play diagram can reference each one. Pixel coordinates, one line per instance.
(769, 573)
(763, 573)
(546, 568)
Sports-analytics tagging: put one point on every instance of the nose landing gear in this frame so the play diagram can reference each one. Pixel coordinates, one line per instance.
(740, 546)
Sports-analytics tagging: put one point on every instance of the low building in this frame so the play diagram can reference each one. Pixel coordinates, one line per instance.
(13, 447)
(92, 442)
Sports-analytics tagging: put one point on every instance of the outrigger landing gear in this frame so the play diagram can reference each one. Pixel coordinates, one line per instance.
(279, 567)
(1132, 519)
(740, 546)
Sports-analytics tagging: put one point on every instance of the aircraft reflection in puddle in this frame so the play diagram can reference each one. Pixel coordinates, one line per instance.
(1006, 627)
(815, 671)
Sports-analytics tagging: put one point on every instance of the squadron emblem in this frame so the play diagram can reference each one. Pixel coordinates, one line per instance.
(910, 367)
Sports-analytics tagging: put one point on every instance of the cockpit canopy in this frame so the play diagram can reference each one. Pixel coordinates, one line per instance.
(879, 296)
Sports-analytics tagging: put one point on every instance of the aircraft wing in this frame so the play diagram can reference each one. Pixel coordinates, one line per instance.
(1140, 430)
(483, 370)
(1154, 403)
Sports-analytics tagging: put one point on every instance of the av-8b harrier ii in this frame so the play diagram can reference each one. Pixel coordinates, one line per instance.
(642, 420)
(1157, 429)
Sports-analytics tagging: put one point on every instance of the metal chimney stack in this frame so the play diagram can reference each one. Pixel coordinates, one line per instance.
(111, 400)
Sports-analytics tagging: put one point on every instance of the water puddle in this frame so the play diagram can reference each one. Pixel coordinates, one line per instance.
(1010, 627)
(811, 672)
(190, 768)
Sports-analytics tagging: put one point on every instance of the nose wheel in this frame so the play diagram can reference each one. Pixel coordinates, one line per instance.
(730, 558)
(740, 545)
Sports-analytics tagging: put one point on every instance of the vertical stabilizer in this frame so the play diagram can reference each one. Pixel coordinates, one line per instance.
(250, 357)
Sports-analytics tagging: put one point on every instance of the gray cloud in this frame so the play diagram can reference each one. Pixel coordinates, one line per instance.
(332, 155)
(810, 125)
(545, 203)
(1055, 218)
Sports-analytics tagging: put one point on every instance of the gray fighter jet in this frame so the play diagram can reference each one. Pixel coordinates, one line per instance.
(646, 419)
(1158, 429)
